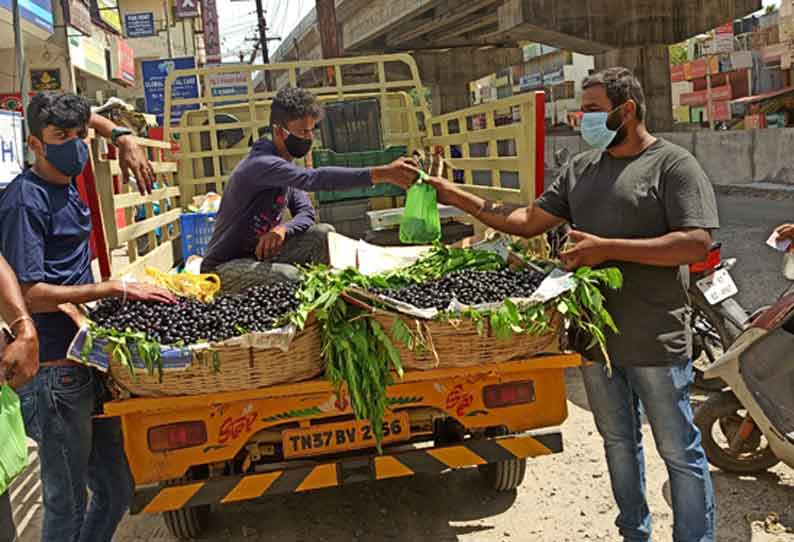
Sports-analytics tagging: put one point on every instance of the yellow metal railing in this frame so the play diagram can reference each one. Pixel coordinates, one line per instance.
(495, 141)
(157, 233)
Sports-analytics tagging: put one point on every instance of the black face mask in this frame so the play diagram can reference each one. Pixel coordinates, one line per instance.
(297, 147)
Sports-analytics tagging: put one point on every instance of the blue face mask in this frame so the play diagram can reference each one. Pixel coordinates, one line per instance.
(69, 158)
(595, 130)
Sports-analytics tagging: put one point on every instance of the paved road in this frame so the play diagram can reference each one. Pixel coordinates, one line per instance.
(564, 497)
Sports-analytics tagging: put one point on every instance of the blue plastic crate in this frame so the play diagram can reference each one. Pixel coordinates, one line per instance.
(197, 231)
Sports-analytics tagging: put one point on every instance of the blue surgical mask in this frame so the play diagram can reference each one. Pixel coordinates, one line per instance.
(595, 130)
(69, 158)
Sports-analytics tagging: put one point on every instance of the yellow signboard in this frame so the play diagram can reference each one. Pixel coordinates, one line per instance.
(109, 13)
(88, 54)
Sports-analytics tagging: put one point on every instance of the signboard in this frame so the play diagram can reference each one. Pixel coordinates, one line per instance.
(13, 101)
(677, 73)
(88, 54)
(723, 38)
(721, 110)
(122, 62)
(699, 68)
(139, 25)
(554, 77)
(11, 150)
(228, 84)
(742, 60)
(212, 37)
(722, 93)
(41, 80)
(154, 75)
(109, 13)
(532, 81)
(186, 9)
(78, 16)
(37, 12)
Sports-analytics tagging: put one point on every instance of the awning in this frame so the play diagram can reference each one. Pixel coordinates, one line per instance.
(764, 96)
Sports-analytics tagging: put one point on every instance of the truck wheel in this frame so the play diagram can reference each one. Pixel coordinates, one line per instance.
(719, 420)
(504, 475)
(187, 523)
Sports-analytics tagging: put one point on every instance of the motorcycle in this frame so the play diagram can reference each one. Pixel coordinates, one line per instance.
(749, 428)
(717, 318)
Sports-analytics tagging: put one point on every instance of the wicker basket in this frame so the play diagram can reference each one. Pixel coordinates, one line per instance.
(240, 369)
(452, 344)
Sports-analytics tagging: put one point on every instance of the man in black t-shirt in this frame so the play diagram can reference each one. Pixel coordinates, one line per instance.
(645, 206)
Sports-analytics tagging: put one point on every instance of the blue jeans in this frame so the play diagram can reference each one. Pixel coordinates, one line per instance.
(77, 452)
(662, 393)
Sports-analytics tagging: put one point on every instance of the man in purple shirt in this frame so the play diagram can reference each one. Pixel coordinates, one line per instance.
(252, 244)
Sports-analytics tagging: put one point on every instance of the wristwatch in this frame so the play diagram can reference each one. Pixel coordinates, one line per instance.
(118, 132)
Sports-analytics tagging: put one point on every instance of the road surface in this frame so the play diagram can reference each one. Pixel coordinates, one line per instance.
(564, 497)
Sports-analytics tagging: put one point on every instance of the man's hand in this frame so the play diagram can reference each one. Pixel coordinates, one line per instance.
(588, 250)
(442, 187)
(132, 158)
(20, 361)
(270, 243)
(402, 172)
(140, 291)
(786, 231)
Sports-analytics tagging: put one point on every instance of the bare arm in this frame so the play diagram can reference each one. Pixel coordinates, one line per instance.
(20, 361)
(670, 250)
(132, 157)
(519, 220)
(42, 297)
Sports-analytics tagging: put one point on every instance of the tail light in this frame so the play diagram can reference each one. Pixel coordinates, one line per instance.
(176, 436)
(712, 260)
(510, 394)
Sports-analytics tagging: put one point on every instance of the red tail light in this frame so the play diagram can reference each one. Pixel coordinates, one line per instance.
(175, 436)
(712, 260)
(512, 393)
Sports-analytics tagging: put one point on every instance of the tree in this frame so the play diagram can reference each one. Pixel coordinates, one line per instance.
(678, 54)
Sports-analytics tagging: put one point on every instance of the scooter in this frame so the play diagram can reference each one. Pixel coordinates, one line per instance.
(749, 428)
(717, 318)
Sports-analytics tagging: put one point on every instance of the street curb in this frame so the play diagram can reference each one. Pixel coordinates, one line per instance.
(763, 190)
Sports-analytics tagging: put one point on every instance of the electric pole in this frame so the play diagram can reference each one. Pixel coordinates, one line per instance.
(19, 43)
(260, 17)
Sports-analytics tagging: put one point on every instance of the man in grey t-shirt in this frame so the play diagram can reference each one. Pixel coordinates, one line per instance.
(644, 205)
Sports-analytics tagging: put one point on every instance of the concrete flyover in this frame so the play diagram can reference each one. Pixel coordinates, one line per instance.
(456, 41)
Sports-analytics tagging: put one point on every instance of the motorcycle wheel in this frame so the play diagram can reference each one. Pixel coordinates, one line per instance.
(718, 419)
(711, 337)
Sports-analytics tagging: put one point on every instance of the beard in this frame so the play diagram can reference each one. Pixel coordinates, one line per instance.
(619, 138)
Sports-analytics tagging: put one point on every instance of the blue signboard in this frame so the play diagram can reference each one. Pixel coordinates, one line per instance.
(154, 75)
(38, 12)
(139, 25)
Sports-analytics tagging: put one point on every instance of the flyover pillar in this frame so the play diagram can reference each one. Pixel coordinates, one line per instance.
(449, 73)
(651, 64)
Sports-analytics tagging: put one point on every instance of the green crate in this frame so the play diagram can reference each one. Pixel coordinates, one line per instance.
(323, 157)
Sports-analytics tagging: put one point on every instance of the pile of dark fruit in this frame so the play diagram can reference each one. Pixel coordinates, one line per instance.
(189, 321)
(468, 287)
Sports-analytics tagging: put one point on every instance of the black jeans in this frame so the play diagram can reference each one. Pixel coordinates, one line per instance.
(8, 532)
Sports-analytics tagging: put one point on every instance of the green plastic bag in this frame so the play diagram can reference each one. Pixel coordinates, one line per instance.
(420, 223)
(14, 448)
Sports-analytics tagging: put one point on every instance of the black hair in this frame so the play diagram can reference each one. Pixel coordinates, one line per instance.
(293, 103)
(65, 111)
(621, 85)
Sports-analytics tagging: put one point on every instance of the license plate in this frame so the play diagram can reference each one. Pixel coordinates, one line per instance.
(718, 286)
(340, 437)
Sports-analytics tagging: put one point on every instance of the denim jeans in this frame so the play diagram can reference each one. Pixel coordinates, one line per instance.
(662, 393)
(77, 452)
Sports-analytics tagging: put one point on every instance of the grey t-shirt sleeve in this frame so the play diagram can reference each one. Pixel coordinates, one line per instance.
(554, 199)
(689, 199)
